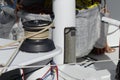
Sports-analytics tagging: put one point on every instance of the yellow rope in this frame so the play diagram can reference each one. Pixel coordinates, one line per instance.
(89, 7)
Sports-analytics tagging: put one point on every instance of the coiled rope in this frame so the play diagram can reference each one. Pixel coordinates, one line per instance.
(28, 36)
(42, 35)
(12, 57)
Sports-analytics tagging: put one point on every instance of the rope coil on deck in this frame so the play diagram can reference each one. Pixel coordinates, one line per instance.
(42, 35)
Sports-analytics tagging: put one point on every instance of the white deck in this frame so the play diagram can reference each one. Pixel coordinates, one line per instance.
(24, 58)
(104, 70)
(108, 65)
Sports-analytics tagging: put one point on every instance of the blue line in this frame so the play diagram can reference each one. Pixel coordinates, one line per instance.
(6, 6)
(46, 76)
(15, 3)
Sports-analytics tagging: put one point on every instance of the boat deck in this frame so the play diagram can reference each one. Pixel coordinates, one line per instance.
(107, 61)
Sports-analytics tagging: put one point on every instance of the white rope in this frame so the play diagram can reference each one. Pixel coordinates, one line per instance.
(7, 65)
(42, 35)
(29, 36)
(11, 58)
(37, 66)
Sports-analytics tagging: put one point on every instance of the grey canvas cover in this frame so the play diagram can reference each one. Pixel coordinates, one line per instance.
(87, 30)
(7, 20)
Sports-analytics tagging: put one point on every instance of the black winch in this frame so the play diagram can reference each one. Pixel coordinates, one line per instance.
(40, 42)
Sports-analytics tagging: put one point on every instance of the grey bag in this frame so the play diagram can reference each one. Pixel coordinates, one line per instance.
(88, 30)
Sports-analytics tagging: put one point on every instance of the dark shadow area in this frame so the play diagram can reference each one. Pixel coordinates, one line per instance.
(109, 65)
(101, 65)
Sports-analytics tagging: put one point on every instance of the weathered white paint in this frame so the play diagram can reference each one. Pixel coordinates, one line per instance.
(64, 11)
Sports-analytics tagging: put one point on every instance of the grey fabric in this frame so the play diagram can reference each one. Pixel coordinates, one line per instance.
(69, 54)
(88, 30)
(101, 42)
(9, 10)
(29, 16)
(7, 20)
(17, 31)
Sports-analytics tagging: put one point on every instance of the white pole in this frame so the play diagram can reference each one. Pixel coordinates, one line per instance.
(64, 11)
(111, 21)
